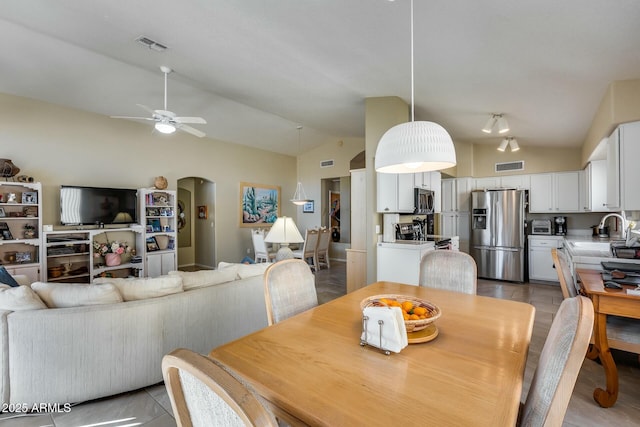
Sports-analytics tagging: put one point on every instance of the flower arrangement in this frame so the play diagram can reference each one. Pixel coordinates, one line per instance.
(101, 249)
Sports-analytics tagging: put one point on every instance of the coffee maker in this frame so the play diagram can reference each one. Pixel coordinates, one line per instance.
(560, 225)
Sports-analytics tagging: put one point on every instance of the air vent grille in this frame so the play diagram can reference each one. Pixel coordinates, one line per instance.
(151, 44)
(327, 163)
(510, 166)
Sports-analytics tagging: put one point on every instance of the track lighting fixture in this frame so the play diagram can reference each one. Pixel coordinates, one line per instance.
(496, 118)
(511, 142)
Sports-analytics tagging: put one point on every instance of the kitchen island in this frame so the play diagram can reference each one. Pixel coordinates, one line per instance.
(399, 261)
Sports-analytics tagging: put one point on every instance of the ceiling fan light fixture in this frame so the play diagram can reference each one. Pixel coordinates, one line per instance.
(166, 128)
(415, 146)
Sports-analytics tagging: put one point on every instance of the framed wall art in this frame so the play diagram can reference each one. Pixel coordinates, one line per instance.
(308, 207)
(259, 204)
(203, 212)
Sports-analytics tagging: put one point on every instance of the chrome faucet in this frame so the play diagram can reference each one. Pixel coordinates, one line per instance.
(625, 223)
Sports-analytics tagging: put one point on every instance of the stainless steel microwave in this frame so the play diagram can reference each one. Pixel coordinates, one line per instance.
(423, 201)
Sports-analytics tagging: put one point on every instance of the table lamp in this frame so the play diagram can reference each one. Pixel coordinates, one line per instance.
(283, 232)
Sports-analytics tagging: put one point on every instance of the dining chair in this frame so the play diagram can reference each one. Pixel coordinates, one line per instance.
(260, 249)
(322, 248)
(451, 270)
(561, 265)
(559, 364)
(289, 289)
(206, 393)
(308, 250)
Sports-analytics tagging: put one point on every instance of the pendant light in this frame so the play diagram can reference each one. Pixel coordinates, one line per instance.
(415, 146)
(299, 197)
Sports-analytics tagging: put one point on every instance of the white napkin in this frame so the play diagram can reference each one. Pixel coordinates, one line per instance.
(394, 333)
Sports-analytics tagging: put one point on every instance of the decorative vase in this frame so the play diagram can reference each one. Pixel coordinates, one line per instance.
(112, 259)
(335, 235)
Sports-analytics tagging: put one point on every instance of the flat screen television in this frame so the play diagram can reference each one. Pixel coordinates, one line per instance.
(96, 205)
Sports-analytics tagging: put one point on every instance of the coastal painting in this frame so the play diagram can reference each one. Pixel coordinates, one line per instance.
(259, 204)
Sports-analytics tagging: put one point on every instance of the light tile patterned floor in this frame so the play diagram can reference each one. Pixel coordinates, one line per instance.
(150, 407)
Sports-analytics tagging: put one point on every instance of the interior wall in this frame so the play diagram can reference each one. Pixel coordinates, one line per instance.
(186, 236)
(205, 228)
(58, 145)
(536, 160)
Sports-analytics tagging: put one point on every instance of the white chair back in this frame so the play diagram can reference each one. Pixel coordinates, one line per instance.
(260, 249)
(451, 270)
(308, 251)
(564, 273)
(322, 249)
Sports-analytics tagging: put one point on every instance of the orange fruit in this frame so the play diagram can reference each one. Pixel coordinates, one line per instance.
(407, 305)
(414, 317)
(420, 311)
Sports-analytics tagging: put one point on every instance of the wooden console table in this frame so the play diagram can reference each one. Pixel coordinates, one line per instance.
(614, 302)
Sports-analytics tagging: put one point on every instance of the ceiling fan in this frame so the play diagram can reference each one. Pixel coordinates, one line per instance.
(166, 121)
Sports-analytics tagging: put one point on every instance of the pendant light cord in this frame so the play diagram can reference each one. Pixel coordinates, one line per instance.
(412, 88)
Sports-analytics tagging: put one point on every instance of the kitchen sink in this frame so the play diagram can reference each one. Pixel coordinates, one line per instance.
(591, 246)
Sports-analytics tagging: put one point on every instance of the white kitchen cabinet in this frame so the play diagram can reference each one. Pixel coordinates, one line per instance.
(400, 262)
(623, 174)
(394, 193)
(487, 183)
(593, 191)
(457, 224)
(555, 192)
(540, 260)
(456, 194)
(358, 209)
(519, 182)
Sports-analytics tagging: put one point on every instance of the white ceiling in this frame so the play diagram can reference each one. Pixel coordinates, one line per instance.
(255, 69)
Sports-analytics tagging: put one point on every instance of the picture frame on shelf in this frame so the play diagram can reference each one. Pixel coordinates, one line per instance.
(2, 214)
(308, 207)
(30, 211)
(153, 212)
(149, 228)
(152, 244)
(29, 198)
(23, 257)
(259, 204)
(5, 232)
(155, 225)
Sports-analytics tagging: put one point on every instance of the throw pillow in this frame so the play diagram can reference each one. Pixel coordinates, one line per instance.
(61, 295)
(250, 270)
(148, 287)
(7, 278)
(229, 266)
(19, 298)
(202, 278)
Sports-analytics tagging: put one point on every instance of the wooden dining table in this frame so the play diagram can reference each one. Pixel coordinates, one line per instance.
(312, 370)
(606, 301)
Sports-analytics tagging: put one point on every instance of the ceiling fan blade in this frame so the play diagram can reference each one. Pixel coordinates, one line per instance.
(165, 113)
(194, 120)
(144, 107)
(133, 118)
(192, 131)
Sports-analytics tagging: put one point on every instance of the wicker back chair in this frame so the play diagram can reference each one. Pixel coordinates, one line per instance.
(564, 273)
(308, 251)
(322, 249)
(205, 393)
(289, 289)
(451, 270)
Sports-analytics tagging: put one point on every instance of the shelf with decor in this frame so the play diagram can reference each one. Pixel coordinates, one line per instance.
(115, 252)
(66, 256)
(20, 225)
(158, 218)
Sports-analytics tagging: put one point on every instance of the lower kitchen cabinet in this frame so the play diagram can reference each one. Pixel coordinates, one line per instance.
(160, 264)
(400, 262)
(540, 260)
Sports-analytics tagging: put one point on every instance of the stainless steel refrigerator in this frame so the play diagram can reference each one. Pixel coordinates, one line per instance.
(497, 233)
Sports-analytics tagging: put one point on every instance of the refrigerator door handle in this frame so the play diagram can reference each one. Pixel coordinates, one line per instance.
(485, 248)
(493, 248)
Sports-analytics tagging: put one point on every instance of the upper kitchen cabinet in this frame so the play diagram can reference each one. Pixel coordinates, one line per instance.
(430, 181)
(519, 182)
(623, 174)
(394, 193)
(487, 183)
(555, 192)
(593, 191)
(456, 194)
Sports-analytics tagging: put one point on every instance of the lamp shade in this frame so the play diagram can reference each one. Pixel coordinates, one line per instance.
(284, 230)
(503, 126)
(488, 128)
(503, 144)
(165, 127)
(418, 146)
(514, 144)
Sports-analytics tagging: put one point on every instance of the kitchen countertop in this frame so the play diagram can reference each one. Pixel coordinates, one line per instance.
(592, 250)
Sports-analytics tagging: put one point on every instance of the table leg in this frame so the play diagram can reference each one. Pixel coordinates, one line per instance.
(605, 398)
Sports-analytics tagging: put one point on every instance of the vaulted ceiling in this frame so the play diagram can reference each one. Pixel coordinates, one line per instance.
(257, 69)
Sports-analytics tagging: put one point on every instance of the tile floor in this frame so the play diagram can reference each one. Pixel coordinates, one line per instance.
(150, 406)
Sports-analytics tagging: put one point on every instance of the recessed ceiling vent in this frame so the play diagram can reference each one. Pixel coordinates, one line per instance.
(510, 166)
(326, 163)
(151, 44)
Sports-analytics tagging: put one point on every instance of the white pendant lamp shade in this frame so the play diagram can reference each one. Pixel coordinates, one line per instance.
(418, 146)
(299, 197)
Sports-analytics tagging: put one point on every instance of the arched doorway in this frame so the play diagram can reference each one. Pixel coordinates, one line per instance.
(196, 224)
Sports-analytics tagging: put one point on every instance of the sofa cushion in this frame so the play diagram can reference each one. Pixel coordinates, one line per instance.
(6, 278)
(201, 278)
(19, 298)
(60, 295)
(148, 287)
(245, 270)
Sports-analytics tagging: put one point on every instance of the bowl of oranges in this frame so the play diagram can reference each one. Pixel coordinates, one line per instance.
(417, 313)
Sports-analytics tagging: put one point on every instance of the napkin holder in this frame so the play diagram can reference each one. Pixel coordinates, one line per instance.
(383, 328)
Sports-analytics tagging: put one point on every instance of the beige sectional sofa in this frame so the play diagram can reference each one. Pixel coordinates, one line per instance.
(79, 353)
